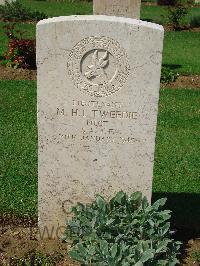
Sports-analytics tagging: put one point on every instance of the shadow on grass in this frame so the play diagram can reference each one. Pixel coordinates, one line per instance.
(185, 209)
(149, 20)
(172, 66)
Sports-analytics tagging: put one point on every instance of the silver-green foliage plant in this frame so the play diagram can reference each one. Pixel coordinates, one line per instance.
(124, 231)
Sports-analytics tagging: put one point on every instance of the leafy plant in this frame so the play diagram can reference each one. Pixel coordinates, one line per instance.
(168, 75)
(176, 15)
(21, 52)
(124, 231)
(15, 11)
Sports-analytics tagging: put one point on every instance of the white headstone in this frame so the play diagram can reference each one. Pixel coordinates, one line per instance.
(98, 92)
(2, 2)
(120, 8)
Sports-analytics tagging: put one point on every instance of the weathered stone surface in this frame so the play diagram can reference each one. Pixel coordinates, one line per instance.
(2, 2)
(98, 91)
(120, 8)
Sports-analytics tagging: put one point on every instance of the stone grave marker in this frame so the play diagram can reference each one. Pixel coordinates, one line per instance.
(120, 8)
(98, 92)
(2, 2)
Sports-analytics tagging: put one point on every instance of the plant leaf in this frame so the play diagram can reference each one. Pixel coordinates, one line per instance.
(76, 256)
(159, 203)
(101, 203)
(114, 250)
(146, 256)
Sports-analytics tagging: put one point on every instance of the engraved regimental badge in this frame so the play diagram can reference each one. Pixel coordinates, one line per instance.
(98, 66)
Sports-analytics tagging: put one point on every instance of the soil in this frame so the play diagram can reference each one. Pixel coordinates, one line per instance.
(187, 258)
(191, 81)
(19, 237)
(18, 21)
(169, 27)
(19, 240)
(11, 73)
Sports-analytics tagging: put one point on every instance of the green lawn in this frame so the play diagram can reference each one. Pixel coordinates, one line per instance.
(177, 149)
(177, 158)
(156, 14)
(18, 146)
(177, 155)
(178, 141)
(55, 9)
(181, 49)
(159, 14)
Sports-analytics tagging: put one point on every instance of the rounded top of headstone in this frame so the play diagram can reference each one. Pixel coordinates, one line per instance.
(135, 22)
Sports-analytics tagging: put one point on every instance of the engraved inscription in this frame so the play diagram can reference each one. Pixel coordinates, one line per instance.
(100, 114)
(116, 9)
(98, 104)
(98, 122)
(99, 138)
(98, 66)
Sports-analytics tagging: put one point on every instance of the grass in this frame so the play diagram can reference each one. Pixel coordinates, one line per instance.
(182, 51)
(177, 149)
(158, 14)
(177, 155)
(55, 9)
(177, 152)
(18, 146)
(196, 256)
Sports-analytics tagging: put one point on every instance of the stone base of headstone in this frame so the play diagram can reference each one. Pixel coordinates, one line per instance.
(120, 8)
(98, 92)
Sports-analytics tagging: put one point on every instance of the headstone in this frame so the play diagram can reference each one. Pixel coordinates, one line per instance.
(98, 92)
(2, 2)
(120, 8)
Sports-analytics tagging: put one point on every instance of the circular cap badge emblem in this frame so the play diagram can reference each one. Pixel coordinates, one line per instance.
(98, 66)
